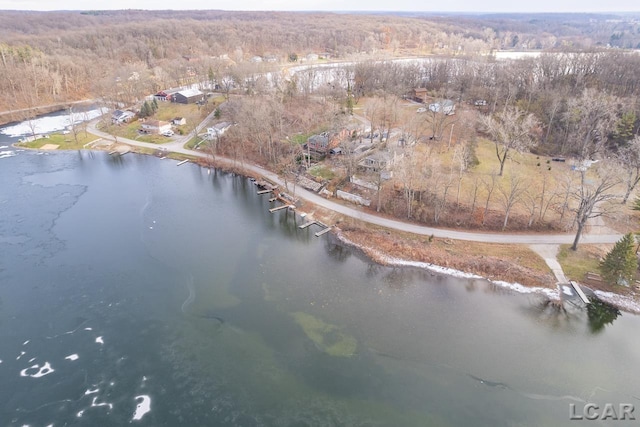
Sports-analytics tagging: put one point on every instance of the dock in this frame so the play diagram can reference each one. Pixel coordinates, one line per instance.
(579, 291)
(264, 191)
(182, 162)
(277, 208)
(306, 224)
(323, 231)
(273, 199)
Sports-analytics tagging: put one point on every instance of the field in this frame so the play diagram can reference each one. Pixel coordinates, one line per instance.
(61, 141)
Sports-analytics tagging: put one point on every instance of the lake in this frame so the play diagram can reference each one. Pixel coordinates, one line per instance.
(136, 292)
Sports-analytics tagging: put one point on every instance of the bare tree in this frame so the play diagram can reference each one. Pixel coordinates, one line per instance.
(511, 194)
(588, 122)
(511, 130)
(629, 160)
(592, 196)
(489, 185)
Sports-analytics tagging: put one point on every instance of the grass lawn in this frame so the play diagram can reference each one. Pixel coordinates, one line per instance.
(322, 172)
(64, 142)
(576, 264)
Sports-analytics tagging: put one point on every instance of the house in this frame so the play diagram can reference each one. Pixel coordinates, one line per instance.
(312, 57)
(188, 96)
(324, 142)
(162, 96)
(156, 126)
(119, 116)
(446, 107)
(318, 143)
(179, 121)
(378, 161)
(419, 94)
(217, 130)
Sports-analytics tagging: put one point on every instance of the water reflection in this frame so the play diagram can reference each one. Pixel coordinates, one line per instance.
(600, 314)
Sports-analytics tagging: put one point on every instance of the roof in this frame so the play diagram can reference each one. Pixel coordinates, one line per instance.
(188, 93)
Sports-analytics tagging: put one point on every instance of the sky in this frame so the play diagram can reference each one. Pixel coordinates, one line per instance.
(334, 5)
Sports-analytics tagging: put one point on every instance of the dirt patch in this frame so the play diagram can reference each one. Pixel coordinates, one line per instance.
(49, 147)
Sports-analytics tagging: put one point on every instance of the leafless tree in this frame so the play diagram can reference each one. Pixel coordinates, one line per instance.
(511, 194)
(511, 130)
(628, 158)
(490, 185)
(591, 196)
(588, 122)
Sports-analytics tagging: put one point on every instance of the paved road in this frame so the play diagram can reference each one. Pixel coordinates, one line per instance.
(354, 212)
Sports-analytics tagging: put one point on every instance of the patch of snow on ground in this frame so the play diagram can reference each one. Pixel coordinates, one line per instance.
(99, 340)
(620, 301)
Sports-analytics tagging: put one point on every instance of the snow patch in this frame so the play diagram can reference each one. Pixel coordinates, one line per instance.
(99, 340)
(143, 406)
(41, 370)
(622, 302)
(91, 391)
(72, 357)
(567, 290)
(6, 153)
(48, 124)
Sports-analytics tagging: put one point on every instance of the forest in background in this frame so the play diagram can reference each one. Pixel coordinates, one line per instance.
(51, 57)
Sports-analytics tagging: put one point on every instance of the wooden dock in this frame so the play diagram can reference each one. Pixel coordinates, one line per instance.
(277, 208)
(264, 191)
(182, 162)
(273, 199)
(579, 291)
(324, 231)
(306, 224)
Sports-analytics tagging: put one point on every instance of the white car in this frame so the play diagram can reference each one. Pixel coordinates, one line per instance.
(167, 133)
(421, 110)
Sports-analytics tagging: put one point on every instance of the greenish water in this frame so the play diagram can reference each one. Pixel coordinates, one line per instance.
(130, 280)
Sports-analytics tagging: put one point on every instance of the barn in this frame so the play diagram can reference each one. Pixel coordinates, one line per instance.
(188, 96)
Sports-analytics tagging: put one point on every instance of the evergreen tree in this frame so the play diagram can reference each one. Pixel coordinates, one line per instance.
(145, 111)
(154, 105)
(621, 263)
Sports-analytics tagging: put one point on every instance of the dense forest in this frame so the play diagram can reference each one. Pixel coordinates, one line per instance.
(50, 57)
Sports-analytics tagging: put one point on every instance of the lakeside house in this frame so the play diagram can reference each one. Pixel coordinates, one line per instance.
(155, 126)
(120, 116)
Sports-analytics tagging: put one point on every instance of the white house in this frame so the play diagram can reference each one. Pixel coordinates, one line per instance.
(156, 126)
(217, 130)
(446, 107)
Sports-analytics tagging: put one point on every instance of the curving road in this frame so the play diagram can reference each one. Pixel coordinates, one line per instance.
(354, 212)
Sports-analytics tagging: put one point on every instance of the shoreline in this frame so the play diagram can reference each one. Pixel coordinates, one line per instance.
(622, 302)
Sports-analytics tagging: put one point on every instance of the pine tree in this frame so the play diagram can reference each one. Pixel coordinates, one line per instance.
(621, 263)
(145, 111)
(154, 105)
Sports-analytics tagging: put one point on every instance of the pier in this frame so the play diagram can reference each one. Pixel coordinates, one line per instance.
(277, 208)
(579, 291)
(264, 191)
(306, 224)
(324, 231)
(182, 162)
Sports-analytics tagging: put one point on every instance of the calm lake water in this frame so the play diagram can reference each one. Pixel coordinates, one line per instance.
(136, 292)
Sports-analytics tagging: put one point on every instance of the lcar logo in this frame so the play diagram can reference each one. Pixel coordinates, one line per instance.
(609, 411)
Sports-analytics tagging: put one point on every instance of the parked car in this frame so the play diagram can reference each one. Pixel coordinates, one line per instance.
(167, 133)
